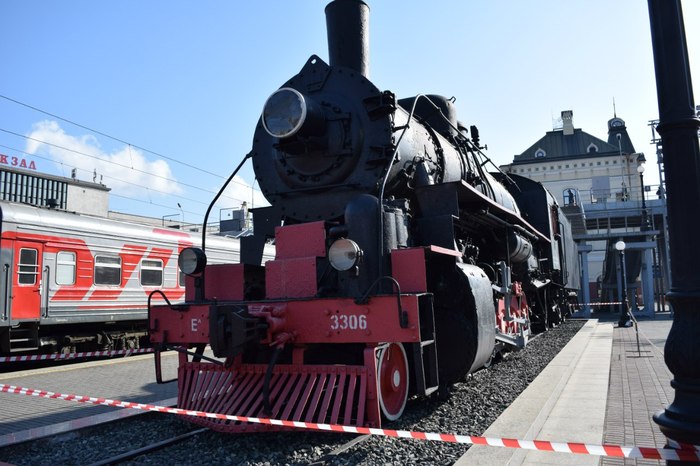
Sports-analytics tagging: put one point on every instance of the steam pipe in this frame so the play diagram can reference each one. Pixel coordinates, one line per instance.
(347, 23)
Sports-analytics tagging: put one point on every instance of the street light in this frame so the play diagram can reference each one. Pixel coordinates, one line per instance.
(183, 214)
(624, 305)
(640, 169)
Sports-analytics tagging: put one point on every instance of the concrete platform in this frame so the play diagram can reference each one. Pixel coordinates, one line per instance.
(601, 388)
(127, 379)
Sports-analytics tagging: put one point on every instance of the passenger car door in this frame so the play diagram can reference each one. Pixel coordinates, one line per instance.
(27, 283)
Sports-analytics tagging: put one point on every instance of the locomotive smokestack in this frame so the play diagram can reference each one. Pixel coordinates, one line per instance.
(347, 22)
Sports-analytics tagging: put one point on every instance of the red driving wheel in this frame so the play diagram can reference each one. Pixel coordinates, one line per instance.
(392, 380)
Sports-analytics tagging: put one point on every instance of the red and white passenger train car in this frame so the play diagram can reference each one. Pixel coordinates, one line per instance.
(74, 282)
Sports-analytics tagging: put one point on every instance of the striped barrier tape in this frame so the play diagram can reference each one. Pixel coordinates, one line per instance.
(90, 354)
(597, 304)
(683, 453)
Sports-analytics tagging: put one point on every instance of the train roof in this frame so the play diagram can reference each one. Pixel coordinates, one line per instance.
(30, 217)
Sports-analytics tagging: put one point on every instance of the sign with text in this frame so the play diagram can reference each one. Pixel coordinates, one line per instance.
(18, 162)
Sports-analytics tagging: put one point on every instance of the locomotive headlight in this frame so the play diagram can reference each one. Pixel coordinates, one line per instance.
(284, 113)
(192, 261)
(344, 254)
(288, 112)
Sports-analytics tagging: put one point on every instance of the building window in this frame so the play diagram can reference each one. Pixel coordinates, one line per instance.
(65, 268)
(592, 148)
(151, 272)
(108, 270)
(28, 267)
(539, 153)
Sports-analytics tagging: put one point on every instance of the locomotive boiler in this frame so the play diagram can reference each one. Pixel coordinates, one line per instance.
(401, 263)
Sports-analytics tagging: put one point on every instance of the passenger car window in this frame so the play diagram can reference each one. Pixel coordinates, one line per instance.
(27, 268)
(151, 272)
(108, 270)
(65, 268)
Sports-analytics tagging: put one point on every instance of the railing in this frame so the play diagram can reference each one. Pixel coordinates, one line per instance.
(621, 212)
(605, 196)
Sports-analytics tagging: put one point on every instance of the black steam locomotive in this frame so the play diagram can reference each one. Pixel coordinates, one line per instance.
(401, 263)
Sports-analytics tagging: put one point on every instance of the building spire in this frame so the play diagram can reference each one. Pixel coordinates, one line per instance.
(614, 108)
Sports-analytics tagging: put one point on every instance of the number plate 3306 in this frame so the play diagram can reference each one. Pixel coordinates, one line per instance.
(341, 322)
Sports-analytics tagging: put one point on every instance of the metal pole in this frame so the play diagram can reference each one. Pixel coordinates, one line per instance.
(624, 304)
(678, 127)
(647, 275)
(657, 288)
(584, 249)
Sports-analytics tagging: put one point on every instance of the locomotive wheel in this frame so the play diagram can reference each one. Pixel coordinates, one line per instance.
(392, 380)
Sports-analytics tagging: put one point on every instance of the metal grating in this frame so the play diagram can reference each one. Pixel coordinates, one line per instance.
(320, 394)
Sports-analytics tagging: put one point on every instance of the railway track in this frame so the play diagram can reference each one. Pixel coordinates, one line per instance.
(141, 453)
(133, 454)
(329, 457)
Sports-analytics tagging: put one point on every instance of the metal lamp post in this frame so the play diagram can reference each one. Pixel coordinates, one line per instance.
(624, 305)
(183, 214)
(645, 226)
(678, 127)
(640, 169)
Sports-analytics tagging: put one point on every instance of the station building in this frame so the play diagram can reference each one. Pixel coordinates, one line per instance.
(40, 189)
(599, 182)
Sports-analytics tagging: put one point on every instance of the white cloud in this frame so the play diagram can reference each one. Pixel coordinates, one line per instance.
(238, 191)
(125, 170)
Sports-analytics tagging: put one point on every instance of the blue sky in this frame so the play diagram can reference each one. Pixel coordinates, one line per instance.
(179, 85)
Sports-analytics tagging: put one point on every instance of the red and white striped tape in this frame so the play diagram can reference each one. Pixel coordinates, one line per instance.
(597, 304)
(683, 453)
(90, 354)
